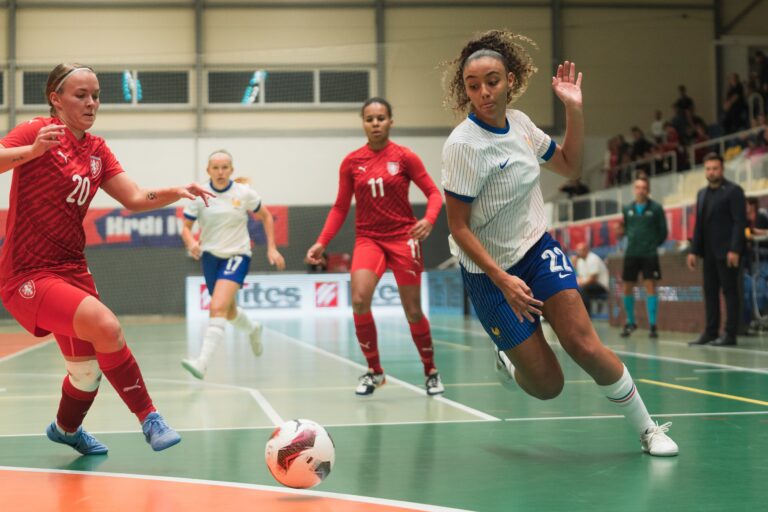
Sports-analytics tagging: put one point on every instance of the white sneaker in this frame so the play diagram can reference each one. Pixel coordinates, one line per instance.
(505, 371)
(656, 442)
(195, 367)
(255, 337)
(369, 382)
(434, 385)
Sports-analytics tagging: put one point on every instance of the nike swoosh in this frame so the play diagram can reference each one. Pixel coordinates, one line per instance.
(563, 275)
(502, 166)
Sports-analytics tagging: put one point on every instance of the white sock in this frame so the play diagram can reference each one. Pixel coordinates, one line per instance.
(624, 394)
(507, 363)
(213, 337)
(241, 322)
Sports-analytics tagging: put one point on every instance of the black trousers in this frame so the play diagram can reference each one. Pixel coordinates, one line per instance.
(717, 276)
(591, 292)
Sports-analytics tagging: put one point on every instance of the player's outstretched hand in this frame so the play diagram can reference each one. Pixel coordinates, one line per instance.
(315, 254)
(276, 259)
(420, 230)
(567, 84)
(520, 298)
(194, 190)
(47, 137)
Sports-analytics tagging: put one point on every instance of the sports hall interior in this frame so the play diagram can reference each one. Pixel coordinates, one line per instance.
(279, 84)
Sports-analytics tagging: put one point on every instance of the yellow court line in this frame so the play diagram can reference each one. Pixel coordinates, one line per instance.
(703, 392)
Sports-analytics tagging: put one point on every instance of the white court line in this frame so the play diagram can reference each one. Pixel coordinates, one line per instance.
(26, 350)
(707, 370)
(349, 362)
(616, 416)
(255, 487)
(689, 362)
(735, 350)
(266, 407)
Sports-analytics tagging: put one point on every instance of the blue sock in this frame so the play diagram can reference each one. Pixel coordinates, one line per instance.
(629, 308)
(653, 307)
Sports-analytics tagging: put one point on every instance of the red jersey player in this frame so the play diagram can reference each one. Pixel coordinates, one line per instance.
(387, 236)
(44, 279)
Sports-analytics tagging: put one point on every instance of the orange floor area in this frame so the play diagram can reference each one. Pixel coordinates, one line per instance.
(10, 343)
(66, 492)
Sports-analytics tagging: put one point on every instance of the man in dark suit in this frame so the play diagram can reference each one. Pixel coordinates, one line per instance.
(718, 238)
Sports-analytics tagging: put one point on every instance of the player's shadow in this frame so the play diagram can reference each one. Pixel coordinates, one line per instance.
(554, 455)
(84, 463)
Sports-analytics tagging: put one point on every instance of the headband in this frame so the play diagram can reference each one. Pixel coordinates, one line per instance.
(70, 73)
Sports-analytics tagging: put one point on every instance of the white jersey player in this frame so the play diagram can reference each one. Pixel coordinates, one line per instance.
(512, 269)
(225, 251)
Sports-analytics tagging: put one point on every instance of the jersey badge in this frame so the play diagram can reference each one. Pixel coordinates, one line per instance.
(529, 142)
(95, 166)
(236, 202)
(393, 168)
(27, 290)
(496, 331)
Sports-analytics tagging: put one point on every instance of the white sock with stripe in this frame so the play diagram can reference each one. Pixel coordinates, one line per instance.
(213, 337)
(624, 394)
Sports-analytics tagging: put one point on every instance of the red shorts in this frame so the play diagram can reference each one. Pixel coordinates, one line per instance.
(46, 303)
(402, 256)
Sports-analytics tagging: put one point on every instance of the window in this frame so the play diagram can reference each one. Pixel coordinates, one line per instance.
(283, 87)
(34, 87)
(344, 86)
(2, 88)
(163, 87)
(289, 87)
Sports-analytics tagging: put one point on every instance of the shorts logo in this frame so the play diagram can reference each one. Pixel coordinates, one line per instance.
(496, 331)
(327, 295)
(95, 166)
(393, 168)
(563, 275)
(27, 290)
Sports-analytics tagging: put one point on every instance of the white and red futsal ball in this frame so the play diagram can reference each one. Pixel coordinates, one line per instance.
(300, 454)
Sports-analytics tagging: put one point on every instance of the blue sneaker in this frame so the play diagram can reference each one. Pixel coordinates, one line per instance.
(157, 432)
(81, 440)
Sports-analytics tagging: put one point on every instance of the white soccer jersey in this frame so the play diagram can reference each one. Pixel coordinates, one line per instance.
(497, 170)
(224, 223)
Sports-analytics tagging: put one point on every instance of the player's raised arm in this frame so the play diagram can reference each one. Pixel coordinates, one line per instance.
(137, 199)
(567, 159)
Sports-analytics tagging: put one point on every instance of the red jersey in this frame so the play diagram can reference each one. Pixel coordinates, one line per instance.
(49, 198)
(379, 181)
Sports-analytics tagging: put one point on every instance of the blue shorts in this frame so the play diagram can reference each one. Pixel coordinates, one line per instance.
(545, 268)
(234, 269)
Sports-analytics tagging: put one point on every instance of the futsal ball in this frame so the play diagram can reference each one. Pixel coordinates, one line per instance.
(300, 454)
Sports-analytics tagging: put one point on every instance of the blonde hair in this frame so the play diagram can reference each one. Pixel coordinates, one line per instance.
(499, 44)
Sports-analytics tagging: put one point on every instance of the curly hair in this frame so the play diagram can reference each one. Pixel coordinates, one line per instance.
(514, 55)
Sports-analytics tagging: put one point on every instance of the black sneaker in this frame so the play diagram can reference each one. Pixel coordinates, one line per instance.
(627, 330)
(654, 333)
(368, 383)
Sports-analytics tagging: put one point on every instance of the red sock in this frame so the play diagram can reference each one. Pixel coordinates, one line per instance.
(122, 371)
(365, 328)
(422, 337)
(73, 406)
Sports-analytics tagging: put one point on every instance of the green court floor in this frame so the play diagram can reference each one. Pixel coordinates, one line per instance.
(480, 447)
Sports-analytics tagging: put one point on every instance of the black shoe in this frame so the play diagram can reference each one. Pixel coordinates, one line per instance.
(654, 333)
(628, 329)
(724, 341)
(702, 340)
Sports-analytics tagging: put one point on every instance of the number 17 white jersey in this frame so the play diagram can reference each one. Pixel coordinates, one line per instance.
(224, 223)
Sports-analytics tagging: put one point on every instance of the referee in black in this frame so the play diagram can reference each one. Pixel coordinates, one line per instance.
(645, 226)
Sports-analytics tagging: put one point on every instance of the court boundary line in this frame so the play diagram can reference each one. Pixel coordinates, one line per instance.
(656, 415)
(703, 392)
(270, 411)
(425, 507)
(407, 385)
(23, 351)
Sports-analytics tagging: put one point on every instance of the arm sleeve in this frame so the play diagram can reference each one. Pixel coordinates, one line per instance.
(662, 225)
(340, 208)
(110, 166)
(464, 171)
(543, 144)
(738, 206)
(23, 134)
(252, 200)
(421, 178)
(192, 209)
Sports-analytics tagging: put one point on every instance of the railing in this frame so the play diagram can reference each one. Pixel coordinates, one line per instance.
(719, 144)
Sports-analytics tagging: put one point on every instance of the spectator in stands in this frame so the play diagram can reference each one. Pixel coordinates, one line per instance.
(755, 258)
(672, 145)
(657, 127)
(735, 106)
(684, 103)
(591, 276)
(573, 188)
(641, 147)
(700, 135)
(761, 69)
(718, 239)
(645, 225)
(611, 162)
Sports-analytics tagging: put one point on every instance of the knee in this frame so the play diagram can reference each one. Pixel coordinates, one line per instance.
(413, 315)
(551, 389)
(84, 375)
(584, 349)
(108, 329)
(218, 310)
(360, 302)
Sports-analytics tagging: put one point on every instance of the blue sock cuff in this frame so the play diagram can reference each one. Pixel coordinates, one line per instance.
(629, 308)
(653, 308)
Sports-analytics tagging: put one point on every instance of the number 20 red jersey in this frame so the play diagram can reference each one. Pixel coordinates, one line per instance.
(49, 198)
(380, 181)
